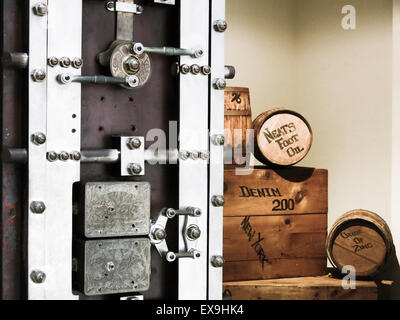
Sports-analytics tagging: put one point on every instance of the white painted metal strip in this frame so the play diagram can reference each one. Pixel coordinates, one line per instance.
(37, 154)
(193, 174)
(216, 152)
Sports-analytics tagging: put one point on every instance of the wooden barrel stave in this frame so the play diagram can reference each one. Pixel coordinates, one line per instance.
(237, 117)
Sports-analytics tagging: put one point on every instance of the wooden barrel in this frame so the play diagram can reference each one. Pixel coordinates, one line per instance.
(237, 121)
(281, 137)
(360, 239)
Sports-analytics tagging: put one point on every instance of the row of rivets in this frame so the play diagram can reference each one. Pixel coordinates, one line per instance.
(53, 156)
(65, 62)
(195, 69)
(194, 155)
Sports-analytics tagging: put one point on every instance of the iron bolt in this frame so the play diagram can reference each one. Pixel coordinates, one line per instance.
(38, 207)
(52, 61)
(185, 69)
(218, 201)
(40, 9)
(218, 140)
(159, 234)
(132, 64)
(220, 25)
(139, 9)
(39, 138)
(184, 155)
(63, 156)
(77, 156)
(195, 155)
(198, 53)
(38, 276)
(52, 156)
(217, 261)
(137, 48)
(65, 62)
(204, 155)
(220, 84)
(206, 70)
(134, 143)
(134, 169)
(77, 63)
(38, 75)
(195, 69)
(193, 233)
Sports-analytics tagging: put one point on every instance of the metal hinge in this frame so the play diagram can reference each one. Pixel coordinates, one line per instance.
(124, 7)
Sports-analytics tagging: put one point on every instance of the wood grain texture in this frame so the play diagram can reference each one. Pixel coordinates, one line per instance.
(360, 239)
(274, 269)
(238, 120)
(310, 288)
(266, 247)
(282, 137)
(290, 191)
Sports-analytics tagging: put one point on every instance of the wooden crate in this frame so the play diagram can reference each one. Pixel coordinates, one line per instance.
(275, 223)
(310, 288)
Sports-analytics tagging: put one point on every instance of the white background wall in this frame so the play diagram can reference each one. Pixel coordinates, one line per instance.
(295, 54)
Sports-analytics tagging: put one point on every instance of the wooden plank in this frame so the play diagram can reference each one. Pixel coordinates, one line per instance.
(264, 191)
(291, 236)
(274, 268)
(311, 288)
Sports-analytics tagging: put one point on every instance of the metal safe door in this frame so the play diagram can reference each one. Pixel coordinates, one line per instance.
(103, 214)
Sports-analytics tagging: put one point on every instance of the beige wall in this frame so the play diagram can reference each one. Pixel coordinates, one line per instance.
(294, 53)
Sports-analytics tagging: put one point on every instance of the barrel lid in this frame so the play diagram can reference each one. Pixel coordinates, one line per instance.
(284, 138)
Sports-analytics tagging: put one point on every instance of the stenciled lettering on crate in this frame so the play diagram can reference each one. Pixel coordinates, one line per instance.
(275, 223)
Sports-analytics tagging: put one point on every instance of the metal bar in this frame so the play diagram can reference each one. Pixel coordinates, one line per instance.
(37, 168)
(125, 23)
(193, 175)
(216, 185)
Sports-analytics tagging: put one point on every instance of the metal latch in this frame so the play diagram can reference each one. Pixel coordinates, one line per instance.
(126, 7)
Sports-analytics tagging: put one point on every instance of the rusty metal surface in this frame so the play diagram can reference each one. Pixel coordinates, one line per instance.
(108, 111)
(13, 128)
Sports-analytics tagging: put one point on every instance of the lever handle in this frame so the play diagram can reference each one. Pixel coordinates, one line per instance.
(138, 48)
(131, 81)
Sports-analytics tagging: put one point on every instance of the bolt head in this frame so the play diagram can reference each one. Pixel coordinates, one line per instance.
(206, 70)
(185, 69)
(38, 276)
(52, 61)
(110, 266)
(204, 155)
(198, 53)
(132, 65)
(77, 156)
(170, 213)
(52, 156)
(184, 155)
(220, 26)
(217, 261)
(38, 75)
(139, 9)
(195, 155)
(77, 63)
(65, 62)
(220, 84)
(134, 169)
(159, 234)
(63, 156)
(137, 48)
(193, 233)
(218, 201)
(40, 9)
(195, 69)
(171, 257)
(132, 81)
(134, 143)
(38, 138)
(38, 207)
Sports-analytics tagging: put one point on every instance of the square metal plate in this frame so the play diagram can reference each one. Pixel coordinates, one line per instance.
(115, 209)
(116, 266)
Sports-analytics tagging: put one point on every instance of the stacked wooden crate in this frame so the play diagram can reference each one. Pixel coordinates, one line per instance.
(275, 216)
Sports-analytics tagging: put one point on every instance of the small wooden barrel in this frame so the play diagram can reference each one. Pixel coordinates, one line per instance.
(237, 121)
(281, 137)
(360, 239)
